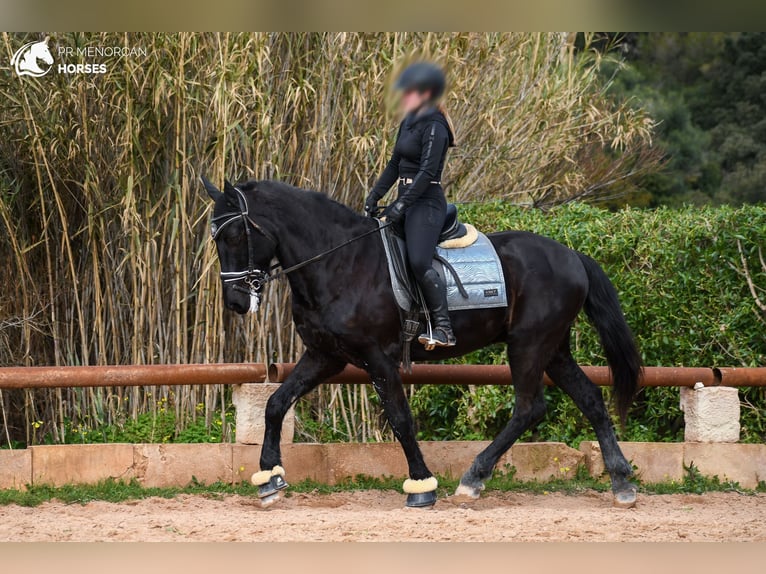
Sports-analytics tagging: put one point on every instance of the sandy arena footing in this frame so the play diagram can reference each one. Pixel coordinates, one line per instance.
(380, 516)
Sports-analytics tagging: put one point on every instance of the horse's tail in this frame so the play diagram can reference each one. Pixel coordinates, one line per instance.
(603, 309)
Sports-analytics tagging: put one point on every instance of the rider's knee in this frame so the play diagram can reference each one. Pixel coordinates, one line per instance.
(419, 269)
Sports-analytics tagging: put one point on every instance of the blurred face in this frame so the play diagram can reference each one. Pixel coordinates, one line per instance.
(412, 100)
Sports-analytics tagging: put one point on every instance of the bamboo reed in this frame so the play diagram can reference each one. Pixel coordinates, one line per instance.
(105, 247)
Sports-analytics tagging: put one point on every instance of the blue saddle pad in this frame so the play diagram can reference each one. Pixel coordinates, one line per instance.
(477, 266)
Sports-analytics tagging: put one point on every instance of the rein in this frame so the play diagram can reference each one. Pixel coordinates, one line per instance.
(256, 279)
(319, 256)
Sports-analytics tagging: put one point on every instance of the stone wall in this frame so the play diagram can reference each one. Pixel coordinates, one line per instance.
(178, 464)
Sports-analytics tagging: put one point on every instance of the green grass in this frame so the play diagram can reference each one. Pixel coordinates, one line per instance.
(695, 483)
(502, 481)
(114, 491)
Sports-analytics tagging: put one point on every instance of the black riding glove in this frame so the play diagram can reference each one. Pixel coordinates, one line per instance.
(371, 205)
(395, 213)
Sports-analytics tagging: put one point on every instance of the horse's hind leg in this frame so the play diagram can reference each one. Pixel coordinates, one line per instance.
(312, 369)
(421, 486)
(528, 411)
(568, 375)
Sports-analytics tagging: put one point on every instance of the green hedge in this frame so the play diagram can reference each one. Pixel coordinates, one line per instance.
(680, 278)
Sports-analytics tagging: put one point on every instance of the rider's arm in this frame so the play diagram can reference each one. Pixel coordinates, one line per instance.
(389, 175)
(435, 141)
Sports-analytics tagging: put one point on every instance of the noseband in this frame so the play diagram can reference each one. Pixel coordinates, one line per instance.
(253, 278)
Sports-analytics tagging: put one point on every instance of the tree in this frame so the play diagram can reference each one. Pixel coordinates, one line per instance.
(732, 108)
(705, 90)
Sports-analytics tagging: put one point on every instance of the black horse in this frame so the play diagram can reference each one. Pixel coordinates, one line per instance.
(345, 312)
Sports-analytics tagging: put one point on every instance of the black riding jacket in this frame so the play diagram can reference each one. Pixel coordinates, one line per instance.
(419, 152)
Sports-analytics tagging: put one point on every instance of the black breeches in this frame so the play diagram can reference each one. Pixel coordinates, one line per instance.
(422, 225)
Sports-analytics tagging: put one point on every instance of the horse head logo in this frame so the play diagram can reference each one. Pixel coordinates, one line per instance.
(27, 59)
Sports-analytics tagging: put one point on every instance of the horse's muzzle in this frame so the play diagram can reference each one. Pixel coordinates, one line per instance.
(236, 300)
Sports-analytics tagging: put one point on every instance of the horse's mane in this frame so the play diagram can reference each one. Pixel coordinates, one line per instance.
(315, 202)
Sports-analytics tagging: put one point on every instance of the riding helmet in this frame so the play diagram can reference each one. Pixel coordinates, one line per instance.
(423, 77)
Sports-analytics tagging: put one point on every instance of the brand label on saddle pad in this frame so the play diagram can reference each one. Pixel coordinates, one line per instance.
(477, 265)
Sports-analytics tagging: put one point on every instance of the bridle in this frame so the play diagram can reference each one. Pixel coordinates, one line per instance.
(253, 278)
(256, 279)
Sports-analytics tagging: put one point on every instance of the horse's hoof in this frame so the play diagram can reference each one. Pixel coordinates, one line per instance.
(466, 493)
(272, 487)
(271, 499)
(625, 498)
(421, 499)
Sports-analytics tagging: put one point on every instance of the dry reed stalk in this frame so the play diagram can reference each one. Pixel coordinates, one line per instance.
(105, 225)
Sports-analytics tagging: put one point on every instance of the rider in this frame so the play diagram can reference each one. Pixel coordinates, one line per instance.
(416, 164)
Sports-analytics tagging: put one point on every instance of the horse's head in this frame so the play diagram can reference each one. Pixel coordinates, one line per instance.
(245, 249)
(41, 51)
(26, 59)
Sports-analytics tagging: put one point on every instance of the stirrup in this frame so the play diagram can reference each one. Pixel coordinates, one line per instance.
(430, 342)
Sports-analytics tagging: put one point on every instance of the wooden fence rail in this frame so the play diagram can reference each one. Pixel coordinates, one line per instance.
(500, 375)
(131, 375)
(238, 373)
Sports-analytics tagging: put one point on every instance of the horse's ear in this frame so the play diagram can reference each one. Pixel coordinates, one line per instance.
(231, 192)
(212, 190)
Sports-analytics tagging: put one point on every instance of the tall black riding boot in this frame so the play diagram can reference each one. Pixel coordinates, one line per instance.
(435, 293)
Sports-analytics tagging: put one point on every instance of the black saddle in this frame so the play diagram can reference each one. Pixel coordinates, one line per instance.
(474, 256)
(399, 267)
(397, 253)
(452, 228)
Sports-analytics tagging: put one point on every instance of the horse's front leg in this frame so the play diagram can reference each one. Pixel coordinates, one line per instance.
(421, 486)
(312, 369)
